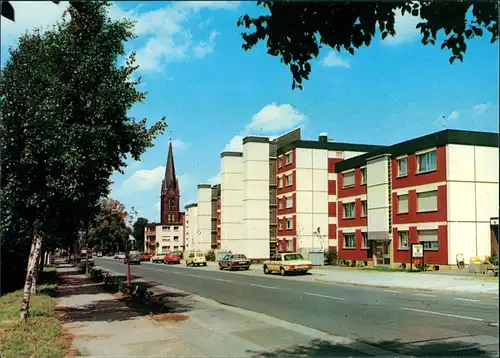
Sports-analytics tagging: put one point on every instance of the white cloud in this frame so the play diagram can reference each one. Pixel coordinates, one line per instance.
(235, 144)
(482, 108)
(334, 60)
(178, 144)
(28, 16)
(274, 118)
(144, 179)
(197, 5)
(443, 120)
(405, 27)
(204, 48)
(214, 180)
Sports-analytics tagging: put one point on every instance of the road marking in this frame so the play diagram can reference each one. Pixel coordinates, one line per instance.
(194, 276)
(262, 286)
(393, 291)
(220, 279)
(424, 295)
(324, 296)
(443, 314)
(465, 299)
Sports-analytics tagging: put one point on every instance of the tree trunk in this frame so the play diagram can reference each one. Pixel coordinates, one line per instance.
(25, 304)
(38, 270)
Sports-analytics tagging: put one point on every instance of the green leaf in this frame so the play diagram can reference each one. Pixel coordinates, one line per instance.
(7, 10)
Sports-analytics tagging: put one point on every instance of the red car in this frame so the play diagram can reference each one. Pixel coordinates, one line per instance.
(145, 256)
(171, 259)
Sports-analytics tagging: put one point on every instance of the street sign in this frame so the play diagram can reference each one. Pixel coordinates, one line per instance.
(417, 250)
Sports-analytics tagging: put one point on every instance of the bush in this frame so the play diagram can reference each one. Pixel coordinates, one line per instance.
(494, 258)
(331, 258)
(422, 265)
(210, 255)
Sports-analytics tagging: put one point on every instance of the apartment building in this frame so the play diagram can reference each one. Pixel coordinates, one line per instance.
(440, 190)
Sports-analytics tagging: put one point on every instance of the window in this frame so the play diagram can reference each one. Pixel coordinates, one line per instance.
(403, 204)
(280, 162)
(289, 224)
(364, 208)
(289, 180)
(348, 179)
(427, 201)
(289, 202)
(280, 182)
(176, 238)
(426, 162)
(281, 225)
(176, 228)
(429, 238)
(165, 228)
(402, 167)
(348, 210)
(364, 236)
(363, 176)
(288, 158)
(280, 200)
(176, 247)
(349, 241)
(403, 239)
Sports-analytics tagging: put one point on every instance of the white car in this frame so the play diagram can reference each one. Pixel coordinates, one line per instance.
(120, 256)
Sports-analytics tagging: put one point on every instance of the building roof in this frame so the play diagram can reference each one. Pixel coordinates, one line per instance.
(438, 139)
(170, 179)
(192, 205)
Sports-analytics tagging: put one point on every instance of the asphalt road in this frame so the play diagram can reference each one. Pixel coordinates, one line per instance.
(390, 319)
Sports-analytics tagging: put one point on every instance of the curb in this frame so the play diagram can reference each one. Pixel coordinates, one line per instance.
(492, 294)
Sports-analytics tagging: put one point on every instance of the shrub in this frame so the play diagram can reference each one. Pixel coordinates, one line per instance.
(331, 258)
(210, 255)
(494, 258)
(422, 265)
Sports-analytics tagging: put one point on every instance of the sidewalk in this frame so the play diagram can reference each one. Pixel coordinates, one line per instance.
(103, 325)
(422, 281)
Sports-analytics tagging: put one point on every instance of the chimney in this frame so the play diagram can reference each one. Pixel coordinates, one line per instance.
(323, 138)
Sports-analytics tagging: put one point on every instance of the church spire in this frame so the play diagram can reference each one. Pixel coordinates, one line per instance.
(170, 179)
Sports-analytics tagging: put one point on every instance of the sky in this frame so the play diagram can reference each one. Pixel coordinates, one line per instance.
(213, 93)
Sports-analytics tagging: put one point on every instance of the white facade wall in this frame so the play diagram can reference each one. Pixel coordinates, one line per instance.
(232, 203)
(377, 189)
(170, 237)
(203, 238)
(255, 199)
(472, 198)
(191, 226)
(311, 169)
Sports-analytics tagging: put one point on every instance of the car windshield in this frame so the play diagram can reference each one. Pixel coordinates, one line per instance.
(239, 257)
(291, 257)
(133, 257)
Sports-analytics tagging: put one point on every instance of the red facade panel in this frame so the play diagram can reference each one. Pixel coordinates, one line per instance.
(332, 231)
(332, 187)
(357, 189)
(358, 220)
(285, 167)
(331, 164)
(413, 216)
(332, 209)
(433, 257)
(356, 253)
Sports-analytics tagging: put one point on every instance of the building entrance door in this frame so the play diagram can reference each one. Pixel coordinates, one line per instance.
(381, 252)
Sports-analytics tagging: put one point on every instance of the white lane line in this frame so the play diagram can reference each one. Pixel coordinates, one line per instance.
(424, 295)
(220, 279)
(195, 276)
(324, 296)
(262, 286)
(465, 299)
(393, 291)
(443, 314)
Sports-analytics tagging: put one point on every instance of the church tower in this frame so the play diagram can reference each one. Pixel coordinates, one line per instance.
(170, 194)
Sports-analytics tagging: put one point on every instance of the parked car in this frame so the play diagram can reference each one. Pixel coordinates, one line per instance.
(287, 262)
(171, 258)
(134, 260)
(99, 254)
(157, 258)
(234, 262)
(145, 256)
(196, 258)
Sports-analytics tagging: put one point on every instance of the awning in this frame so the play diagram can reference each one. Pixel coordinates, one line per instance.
(378, 236)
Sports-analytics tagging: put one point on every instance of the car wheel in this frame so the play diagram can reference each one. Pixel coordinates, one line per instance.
(266, 270)
(246, 268)
(282, 271)
(205, 264)
(220, 267)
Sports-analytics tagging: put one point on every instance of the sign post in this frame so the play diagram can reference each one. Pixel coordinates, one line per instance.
(417, 252)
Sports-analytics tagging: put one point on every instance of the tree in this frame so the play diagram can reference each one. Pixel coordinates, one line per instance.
(138, 232)
(109, 229)
(295, 31)
(7, 10)
(65, 129)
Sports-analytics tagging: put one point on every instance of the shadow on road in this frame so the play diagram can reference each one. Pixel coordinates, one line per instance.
(430, 348)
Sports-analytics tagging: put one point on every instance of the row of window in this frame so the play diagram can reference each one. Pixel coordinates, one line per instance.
(285, 204)
(426, 201)
(426, 162)
(166, 238)
(167, 228)
(429, 238)
(287, 226)
(288, 160)
(288, 179)
(167, 248)
(350, 212)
